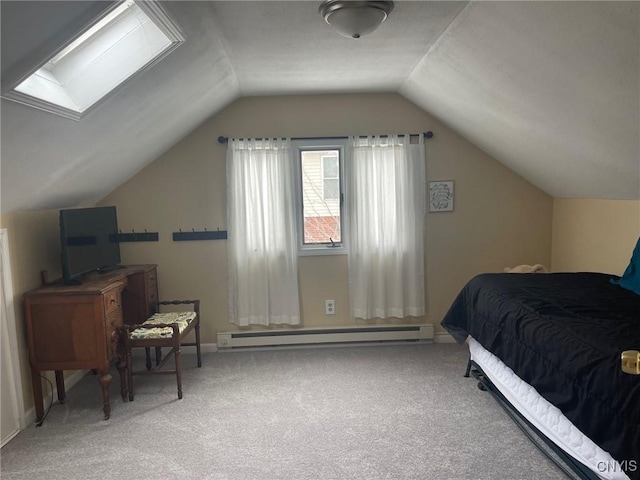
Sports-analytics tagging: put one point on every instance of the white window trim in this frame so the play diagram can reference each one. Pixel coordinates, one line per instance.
(150, 7)
(315, 144)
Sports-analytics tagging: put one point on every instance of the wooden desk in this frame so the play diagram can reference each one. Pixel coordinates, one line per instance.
(74, 327)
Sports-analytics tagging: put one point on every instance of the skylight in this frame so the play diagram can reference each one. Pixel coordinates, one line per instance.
(126, 41)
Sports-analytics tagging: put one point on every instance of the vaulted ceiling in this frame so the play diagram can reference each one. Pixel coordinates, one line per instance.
(550, 89)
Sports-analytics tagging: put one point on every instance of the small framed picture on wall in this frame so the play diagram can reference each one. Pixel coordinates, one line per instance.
(441, 196)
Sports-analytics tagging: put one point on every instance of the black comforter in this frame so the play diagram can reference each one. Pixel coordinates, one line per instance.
(563, 334)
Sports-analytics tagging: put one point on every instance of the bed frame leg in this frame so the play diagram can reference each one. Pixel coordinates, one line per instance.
(466, 373)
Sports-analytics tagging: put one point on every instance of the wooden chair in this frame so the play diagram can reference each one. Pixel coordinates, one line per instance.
(162, 330)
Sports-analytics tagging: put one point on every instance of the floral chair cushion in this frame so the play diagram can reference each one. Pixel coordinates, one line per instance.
(183, 319)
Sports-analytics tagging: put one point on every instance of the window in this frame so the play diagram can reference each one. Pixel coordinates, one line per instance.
(340, 202)
(320, 195)
(127, 40)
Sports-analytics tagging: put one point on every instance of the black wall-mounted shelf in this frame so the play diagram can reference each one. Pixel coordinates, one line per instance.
(135, 237)
(205, 235)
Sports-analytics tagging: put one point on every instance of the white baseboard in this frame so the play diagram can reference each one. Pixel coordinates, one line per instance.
(305, 336)
(69, 382)
(30, 415)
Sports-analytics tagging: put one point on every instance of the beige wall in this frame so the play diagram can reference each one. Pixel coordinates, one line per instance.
(499, 219)
(34, 245)
(594, 235)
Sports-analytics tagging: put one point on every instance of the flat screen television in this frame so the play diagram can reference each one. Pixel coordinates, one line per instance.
(89, 241)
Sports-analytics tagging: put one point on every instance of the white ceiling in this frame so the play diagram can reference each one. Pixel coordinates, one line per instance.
(551, 89)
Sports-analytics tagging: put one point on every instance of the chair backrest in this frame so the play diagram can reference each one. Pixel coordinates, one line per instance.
(195, 303)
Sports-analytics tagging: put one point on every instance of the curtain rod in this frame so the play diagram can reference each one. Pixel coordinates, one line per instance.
(222, 140)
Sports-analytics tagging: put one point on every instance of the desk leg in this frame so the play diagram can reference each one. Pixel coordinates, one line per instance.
(105, 381)
(60, 386)
(36, 382)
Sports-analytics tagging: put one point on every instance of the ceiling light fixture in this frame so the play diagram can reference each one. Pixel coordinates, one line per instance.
(353, 18)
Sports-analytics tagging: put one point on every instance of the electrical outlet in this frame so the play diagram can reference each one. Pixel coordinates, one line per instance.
(329, 307)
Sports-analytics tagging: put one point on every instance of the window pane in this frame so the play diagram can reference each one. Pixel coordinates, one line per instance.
(330, 167)
(321, 196)
(331, 189)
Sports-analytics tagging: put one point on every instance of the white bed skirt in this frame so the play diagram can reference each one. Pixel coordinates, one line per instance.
(544, 416)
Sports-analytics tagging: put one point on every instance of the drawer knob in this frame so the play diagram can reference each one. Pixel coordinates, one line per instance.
(631, 362)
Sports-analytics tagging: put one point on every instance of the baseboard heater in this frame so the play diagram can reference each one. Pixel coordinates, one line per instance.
(325, 335)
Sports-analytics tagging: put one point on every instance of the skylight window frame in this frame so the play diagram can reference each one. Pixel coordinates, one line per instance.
(150, 8)
(95, 28)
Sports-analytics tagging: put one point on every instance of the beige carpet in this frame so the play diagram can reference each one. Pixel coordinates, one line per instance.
(380, 412)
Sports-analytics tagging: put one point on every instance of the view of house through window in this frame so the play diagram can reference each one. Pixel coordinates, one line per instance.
(320, 171)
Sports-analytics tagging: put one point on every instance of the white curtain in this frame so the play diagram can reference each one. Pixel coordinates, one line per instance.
(386, 208)
(263, 270)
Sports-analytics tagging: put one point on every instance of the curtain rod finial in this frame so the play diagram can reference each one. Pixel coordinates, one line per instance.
(222, 140)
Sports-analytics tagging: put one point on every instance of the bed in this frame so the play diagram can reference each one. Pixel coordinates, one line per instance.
(561, 335)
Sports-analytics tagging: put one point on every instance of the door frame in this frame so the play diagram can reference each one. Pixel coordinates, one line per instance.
(9, 328)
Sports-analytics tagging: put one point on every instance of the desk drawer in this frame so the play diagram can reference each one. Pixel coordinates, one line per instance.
(113, 321)
(112, 301)
(152, 278)
(140, 296)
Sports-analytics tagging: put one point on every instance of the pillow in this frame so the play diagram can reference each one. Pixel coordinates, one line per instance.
(526, 269)
(631, 276)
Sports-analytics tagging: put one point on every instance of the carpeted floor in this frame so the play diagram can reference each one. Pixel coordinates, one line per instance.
(379, 412)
